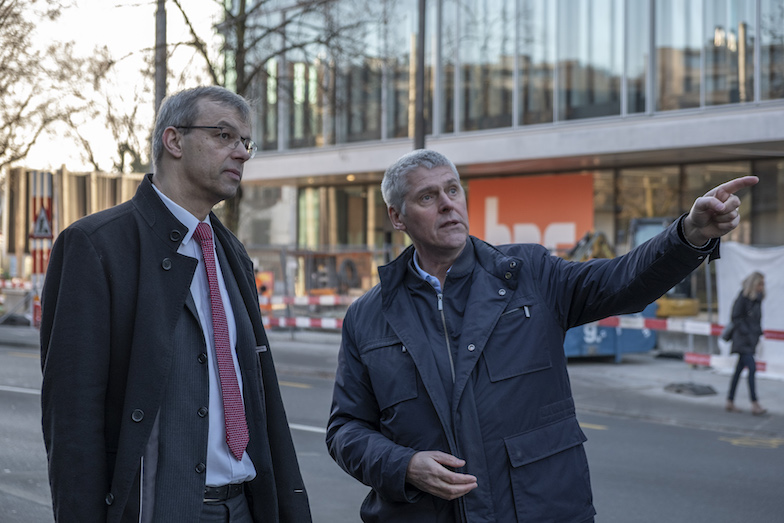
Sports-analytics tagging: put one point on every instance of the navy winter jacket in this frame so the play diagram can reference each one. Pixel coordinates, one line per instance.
(510, 413)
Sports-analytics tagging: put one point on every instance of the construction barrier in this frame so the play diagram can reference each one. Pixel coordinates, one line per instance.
(681, 325)
(676, 325)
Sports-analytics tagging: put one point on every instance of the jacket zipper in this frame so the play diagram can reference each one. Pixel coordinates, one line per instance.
(446, 334)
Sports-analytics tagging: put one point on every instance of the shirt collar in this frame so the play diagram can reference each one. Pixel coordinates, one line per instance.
(185, 217)
(432, 280)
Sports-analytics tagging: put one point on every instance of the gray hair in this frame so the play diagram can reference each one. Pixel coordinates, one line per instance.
(181, 109)
(394, 186)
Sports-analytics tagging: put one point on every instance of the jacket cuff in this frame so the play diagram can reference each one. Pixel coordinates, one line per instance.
(711, 248)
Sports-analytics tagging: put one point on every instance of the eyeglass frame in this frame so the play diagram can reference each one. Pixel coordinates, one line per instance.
(250, 145)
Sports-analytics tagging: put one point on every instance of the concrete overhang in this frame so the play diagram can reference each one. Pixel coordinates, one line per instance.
(718, 134)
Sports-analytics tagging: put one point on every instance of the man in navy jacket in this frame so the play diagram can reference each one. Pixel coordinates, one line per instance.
(452, 399)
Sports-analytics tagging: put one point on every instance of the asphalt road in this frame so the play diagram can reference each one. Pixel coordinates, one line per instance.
(646, 466)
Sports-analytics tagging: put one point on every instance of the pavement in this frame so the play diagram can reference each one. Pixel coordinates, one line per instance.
(648, 386)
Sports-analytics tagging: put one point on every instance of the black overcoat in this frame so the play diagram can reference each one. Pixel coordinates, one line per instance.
(114, 290)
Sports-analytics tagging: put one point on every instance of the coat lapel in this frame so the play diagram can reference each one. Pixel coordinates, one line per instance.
(492, 287)
(397, 307)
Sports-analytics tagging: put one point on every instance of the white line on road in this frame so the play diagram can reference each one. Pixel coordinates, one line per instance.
(20, 390)
(293, 426)
(307, 428)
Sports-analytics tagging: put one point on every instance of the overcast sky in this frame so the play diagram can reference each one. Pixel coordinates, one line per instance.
(126, 27)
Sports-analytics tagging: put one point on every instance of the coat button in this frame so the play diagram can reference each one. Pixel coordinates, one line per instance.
(166, 264)
(137, 415)
(175, 235)
(109, 498)
(202, 357)
(502, 292)
(512, 264)
(202, 412)
(471, 347)
(508, 275)
(200, 467)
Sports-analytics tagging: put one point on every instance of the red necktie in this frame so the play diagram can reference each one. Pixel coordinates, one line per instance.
(233, 411)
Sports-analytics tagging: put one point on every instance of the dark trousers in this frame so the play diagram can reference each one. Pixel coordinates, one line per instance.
(744, 360)
(234, 510)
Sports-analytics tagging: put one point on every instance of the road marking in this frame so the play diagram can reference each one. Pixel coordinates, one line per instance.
(20, 390)
(594, 427)
(757, 443)
(295, 384)
(307, 428)
(25, 355)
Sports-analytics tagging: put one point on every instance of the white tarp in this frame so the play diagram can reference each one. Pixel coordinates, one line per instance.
(738, 261)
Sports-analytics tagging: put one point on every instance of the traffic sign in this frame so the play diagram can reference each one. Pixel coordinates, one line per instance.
(42, 228)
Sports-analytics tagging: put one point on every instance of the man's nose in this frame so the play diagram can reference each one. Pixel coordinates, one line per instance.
(445, 203)
(241, 153)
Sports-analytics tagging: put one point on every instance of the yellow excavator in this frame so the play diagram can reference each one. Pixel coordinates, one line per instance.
(679, 301)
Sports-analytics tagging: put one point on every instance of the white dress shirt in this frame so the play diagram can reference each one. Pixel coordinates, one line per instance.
(222, 467)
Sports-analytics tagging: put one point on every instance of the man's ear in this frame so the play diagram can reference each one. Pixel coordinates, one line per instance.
(395, 218)
(172, 141)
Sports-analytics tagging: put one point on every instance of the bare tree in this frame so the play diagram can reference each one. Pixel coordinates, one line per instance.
(120, 107)
(35, 84)
(257, 32)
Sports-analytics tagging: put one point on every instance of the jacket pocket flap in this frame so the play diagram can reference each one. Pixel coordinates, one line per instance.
(544, 442)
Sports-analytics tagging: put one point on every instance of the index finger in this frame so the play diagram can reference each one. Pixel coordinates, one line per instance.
(733, 186)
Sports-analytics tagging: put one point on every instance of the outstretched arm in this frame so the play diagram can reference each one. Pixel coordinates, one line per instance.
(716, 213)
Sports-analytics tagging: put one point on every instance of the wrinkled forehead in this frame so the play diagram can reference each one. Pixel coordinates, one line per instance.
(440, 176)
(213, 112)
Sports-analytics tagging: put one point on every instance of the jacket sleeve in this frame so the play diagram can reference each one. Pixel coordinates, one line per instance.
(75, 359)
(581, 292)
(354, 439)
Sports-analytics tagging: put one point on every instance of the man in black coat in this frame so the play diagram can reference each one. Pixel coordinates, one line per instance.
(160, 399)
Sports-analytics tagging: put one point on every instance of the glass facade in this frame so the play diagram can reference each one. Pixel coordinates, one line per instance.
(638, 56)
(486, 48)
(678, 43)
(771, 38)
(767, 213)
(590, 58)
(511, 63)
(536, 60)
(730, 32)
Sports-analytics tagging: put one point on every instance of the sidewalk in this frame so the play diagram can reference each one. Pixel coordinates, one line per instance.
(635, 388)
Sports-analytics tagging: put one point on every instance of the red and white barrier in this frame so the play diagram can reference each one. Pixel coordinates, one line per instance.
(16, 284)
(332, 299)
(303, 322)
(682, 325)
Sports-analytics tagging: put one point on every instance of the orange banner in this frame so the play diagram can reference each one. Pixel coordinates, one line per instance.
(553, 210)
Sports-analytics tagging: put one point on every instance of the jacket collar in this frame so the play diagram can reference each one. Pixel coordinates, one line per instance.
(477, 251)
(160, 220)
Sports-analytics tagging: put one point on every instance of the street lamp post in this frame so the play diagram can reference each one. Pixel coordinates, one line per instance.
(419, 106)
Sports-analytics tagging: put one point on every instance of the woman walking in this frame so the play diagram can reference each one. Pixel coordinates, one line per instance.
(747, 321)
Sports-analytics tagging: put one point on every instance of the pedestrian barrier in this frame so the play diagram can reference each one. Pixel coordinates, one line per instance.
(332, 299)
(16, 284)
(681, 325)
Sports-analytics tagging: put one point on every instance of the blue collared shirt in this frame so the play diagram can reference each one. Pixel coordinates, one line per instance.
(432, 280)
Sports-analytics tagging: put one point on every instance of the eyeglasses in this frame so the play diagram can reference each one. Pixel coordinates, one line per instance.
(227, 137)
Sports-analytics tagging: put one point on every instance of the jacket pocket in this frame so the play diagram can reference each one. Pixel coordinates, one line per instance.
(550, 473)
(517, 345)
(391, 370)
